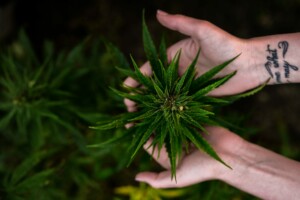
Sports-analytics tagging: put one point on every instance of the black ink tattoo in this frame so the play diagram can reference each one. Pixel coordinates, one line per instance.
(277, 75)
(287, 66)
(273, 59)
(277, 61)
(284, 45)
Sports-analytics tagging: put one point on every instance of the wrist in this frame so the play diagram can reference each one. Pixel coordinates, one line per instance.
(239, 162)
(262, 173)
(275, 58)
(256, 61)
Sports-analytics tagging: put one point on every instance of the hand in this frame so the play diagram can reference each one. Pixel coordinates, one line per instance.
(279, 177)
(217, 46)
(196, 166)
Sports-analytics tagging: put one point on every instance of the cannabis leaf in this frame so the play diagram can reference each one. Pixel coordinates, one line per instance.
(172, 108)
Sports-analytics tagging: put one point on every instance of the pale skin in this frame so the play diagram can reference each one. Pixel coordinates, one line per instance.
(255, 170)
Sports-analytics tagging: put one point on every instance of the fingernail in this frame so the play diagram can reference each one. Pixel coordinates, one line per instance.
(160, 12)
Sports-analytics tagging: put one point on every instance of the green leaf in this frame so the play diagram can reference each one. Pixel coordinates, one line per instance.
(27, 48)
(75, 53)
(150, 51)
(159, 92)
(117, 122)
(111, 141)
(202, 144)
(116, 54)
(35, 181)
(171, 147)
(128, 72)
(212, 86)
(23, 169)
(146, 135)
(5, 120)
(188, 76)
(245, 94)
(191, 73)
(214, 101)
(189, 120)
(172, 71)
(160, 136)
(134, 97)
(163, 52)
(145, 115)
(204, 78)
(141, 77)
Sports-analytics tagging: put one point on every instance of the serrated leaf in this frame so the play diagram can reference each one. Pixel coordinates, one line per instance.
(150, 51)
(204, 78)
(146, 135)
(214, 101)
(144, 115)
(160, 137)
(127, 72)
(197, 109)
(163, 52)
(191, 73)
(171, 147)
(141, 77)
(159, 92)
(134, 97)
(187, 77)
(117, 122)
(245, 94)
(172, 71)
(202, 144)
(212, 86)
(189, 120)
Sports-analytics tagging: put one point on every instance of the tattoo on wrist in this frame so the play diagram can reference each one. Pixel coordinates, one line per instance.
(277, 63)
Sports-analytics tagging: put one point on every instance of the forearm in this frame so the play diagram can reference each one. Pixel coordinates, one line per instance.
(264, 174)
(277, 57)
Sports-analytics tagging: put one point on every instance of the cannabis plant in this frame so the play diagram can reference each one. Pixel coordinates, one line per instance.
(45, 111)
(173, 109)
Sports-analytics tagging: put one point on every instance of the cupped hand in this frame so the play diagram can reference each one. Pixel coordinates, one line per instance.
(217, 46)
(196, 166)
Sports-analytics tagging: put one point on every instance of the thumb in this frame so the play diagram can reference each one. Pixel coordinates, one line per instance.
(183, 24)
(157, 180)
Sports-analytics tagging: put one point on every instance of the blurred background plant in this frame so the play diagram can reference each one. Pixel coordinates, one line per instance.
(54, 85)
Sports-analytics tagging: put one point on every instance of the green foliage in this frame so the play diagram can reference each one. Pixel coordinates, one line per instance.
(172, 108)
(48, 100)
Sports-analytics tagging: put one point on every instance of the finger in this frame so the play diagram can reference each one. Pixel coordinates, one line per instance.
(183, 24)
(188, 49)
(130, 82)
(145, 69)
(131, 105)
(161, 157)
(164, 179)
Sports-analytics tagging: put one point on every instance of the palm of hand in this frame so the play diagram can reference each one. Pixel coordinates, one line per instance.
(217, 46)
(195, 166)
